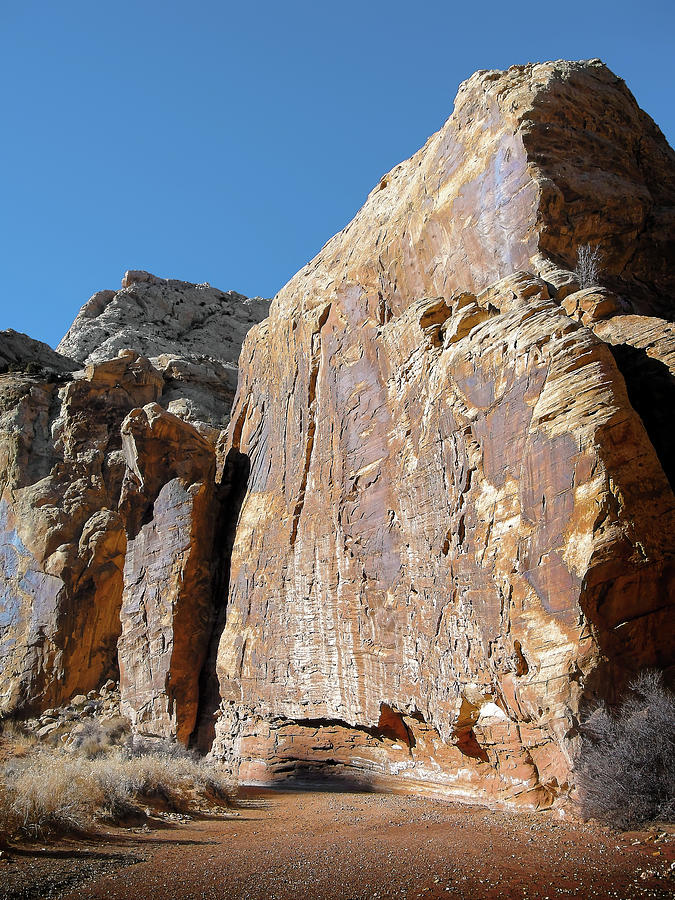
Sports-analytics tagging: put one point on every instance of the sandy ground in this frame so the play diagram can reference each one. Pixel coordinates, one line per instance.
(340, 844)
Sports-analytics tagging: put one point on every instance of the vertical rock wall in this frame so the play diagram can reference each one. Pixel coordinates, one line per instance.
(455, 520)
(101, 542)
(167, 608)
(442, 516)
(63, 540)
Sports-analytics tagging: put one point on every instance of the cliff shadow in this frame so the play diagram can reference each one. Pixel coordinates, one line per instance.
(232, 491)
(651, 391)
(321, 779)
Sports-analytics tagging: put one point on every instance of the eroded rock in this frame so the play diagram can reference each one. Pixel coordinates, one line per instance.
(192, 333)
(440, 520)
(62, 540)
(171, 507)
(18, 352)
(454, 511)
(63, 532)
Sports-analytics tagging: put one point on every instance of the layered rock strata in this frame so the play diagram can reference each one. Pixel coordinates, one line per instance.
(95, 485)
(171, 506)
(441, 519)
(62, 539)
(456, 527)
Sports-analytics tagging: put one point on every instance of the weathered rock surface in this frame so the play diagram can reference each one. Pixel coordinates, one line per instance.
(62, 540)
(442, 515)
(82, 719)
(644, 350)
(192, 332)
(171, 507)
(456, 526)
(533, 163)
(67, 525)
(18, 351)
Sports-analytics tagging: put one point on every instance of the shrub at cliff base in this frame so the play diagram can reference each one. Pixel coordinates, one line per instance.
(626, 768)
(45, 790)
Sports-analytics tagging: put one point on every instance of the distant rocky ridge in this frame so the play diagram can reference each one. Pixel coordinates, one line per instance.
(441, 518)
(191, 332)
(18, 352)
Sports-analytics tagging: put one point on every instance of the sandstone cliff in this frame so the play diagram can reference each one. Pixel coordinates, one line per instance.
(97, 480)
(441, 517)
(458, 522)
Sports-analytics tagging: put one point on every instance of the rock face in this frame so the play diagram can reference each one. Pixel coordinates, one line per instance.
(18, 352)
(441, 518)
(167, 610)
(62, 540)
(533, 163)
(456, 526)
(95, 485)
(192, 332)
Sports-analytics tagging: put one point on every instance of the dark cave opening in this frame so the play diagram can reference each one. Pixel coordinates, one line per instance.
(651, 391)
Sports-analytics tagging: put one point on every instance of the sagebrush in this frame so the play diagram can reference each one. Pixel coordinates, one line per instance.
(626, 766)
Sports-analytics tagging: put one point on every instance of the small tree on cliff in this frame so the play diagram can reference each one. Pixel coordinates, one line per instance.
(588, 265)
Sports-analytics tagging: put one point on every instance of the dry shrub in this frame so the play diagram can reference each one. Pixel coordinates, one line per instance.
(46, 794)
(588, 266)
(139, 745)
(96, 737)
(626, 767)
(9, 818)
(176, 781)
(17, 740)
(57, 791)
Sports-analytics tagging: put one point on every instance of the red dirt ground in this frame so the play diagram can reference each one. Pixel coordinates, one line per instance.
(339, 845)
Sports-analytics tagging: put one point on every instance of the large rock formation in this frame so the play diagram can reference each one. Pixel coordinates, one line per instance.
(18, 352)
(94, 484)
(167, 610)
(441, 518)
(456, 525)
(62, 540)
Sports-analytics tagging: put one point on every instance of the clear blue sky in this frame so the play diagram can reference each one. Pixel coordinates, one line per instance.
(226, 142)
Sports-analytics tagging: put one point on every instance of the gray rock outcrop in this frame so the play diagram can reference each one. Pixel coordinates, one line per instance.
(192, 333)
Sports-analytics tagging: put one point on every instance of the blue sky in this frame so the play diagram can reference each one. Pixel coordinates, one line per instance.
(222, 142)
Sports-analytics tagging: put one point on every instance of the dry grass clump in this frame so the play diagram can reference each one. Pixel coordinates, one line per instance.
(626, 768)
(54, 791)
(95, 737)
(16, 741)
(41, 794)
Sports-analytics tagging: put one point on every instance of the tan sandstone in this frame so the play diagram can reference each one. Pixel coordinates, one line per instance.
(457, 529)
(441, 519)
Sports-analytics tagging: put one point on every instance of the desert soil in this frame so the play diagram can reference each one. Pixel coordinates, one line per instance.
(337, 845)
